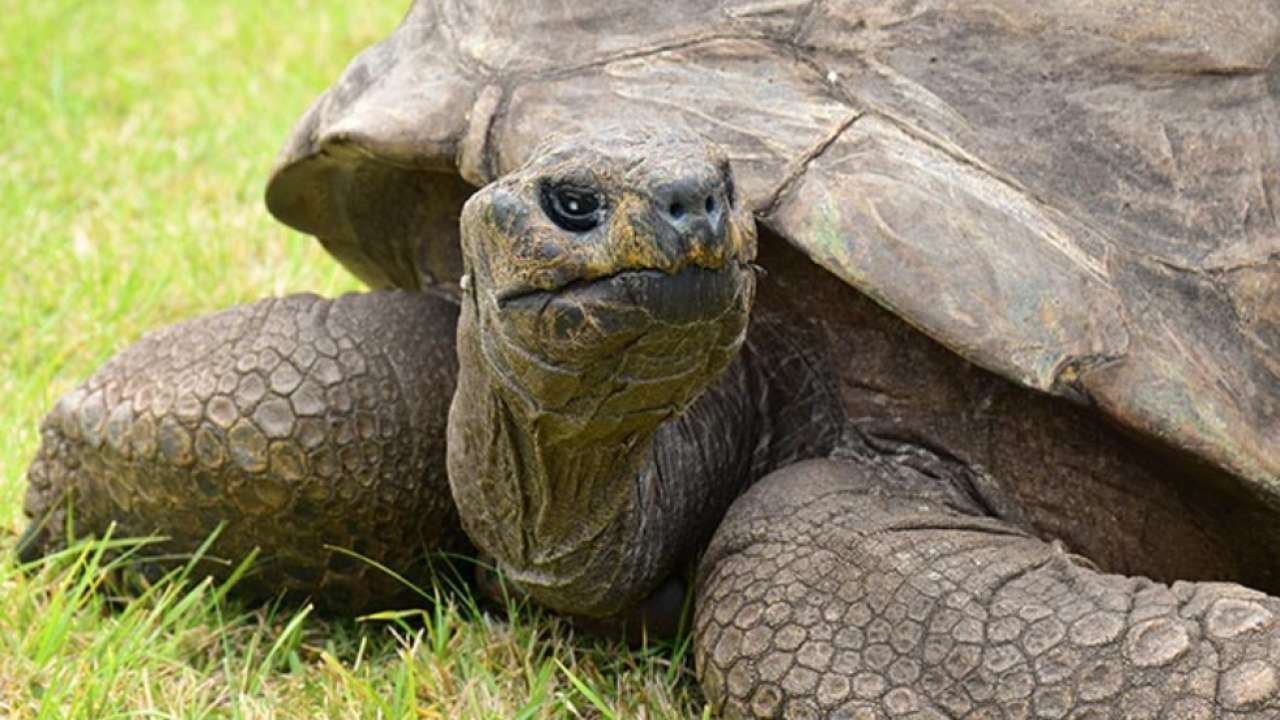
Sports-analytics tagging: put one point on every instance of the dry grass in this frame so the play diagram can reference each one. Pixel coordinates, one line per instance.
(136, 140)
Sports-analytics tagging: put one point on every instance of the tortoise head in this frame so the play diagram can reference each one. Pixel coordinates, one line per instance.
(615, 259)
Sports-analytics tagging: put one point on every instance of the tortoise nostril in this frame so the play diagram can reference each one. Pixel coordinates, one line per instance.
(676, 210)
(710, 204)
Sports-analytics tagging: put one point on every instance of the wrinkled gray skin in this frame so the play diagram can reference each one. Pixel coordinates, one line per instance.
(628, 395)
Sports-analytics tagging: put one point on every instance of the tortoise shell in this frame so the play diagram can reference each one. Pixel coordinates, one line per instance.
(1080, 196)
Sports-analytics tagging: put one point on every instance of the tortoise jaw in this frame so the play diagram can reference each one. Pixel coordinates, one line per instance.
(637, 323)
(691, 295)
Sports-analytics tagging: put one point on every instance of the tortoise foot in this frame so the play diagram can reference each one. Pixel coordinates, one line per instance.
(310, 429)
(827, 594)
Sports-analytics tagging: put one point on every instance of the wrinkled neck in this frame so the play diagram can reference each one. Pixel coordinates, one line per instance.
(550, 466)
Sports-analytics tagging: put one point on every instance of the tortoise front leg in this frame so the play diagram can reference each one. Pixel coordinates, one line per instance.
(827, 594)
(299, 423)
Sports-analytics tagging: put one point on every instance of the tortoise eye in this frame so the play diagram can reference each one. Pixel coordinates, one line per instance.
(572, 208)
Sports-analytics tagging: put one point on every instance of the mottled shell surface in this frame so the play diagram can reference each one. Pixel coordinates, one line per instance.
(1079, 195)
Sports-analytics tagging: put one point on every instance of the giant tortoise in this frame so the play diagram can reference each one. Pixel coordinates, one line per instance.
(1004, 348)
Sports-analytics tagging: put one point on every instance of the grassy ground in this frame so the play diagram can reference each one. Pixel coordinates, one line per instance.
(135, 138)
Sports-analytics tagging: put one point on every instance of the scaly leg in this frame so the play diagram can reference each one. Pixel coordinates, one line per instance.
(300, 423)
(832, 590)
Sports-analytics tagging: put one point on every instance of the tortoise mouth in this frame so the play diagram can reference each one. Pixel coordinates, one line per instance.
(637, 328)
(692, 295)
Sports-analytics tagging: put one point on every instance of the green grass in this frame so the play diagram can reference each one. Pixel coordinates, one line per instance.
(135, 139)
